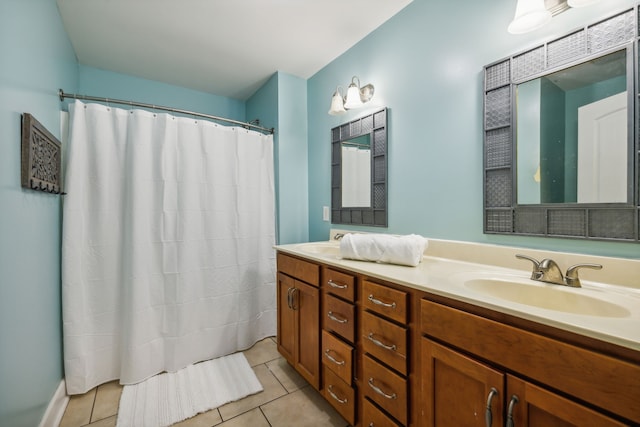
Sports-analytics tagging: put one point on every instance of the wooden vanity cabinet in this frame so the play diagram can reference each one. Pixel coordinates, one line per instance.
(298, 316)
(462, 391)
(465, 357)
(397, 356)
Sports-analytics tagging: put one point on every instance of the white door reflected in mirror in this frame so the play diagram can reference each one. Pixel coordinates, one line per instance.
(602, 152)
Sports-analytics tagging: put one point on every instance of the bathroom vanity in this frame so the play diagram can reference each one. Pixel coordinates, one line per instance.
(447, 343)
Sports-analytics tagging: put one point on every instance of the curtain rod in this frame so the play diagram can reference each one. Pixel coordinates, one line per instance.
(246, 125)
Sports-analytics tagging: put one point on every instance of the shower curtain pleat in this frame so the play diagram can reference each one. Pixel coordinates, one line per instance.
(168, 234)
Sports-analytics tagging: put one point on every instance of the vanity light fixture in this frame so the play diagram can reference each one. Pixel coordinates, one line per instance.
(356, 97)
(530, 15)
(533, 14)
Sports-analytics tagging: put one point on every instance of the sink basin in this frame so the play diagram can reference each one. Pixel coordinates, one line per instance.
(320, 248)
(547, 296)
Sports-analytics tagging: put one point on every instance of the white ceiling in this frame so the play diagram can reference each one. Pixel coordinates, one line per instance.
(224, 47)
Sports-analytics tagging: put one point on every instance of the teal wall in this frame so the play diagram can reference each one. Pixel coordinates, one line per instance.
(426, 64)
(96, 82)
(37, 59)
(293, 175)
(281, 104)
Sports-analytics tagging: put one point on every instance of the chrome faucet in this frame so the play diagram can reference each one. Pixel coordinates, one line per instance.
(338, 236)
(548, 271)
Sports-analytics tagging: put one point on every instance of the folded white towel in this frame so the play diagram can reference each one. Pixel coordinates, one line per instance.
(403, 250)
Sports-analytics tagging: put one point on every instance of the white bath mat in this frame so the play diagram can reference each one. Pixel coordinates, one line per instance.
(167, 398)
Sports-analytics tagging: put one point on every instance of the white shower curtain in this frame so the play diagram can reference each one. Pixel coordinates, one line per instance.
(167, 243)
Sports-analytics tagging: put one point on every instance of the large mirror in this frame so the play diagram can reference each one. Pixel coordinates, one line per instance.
(561, 152)
(359, 171)
(572, 133)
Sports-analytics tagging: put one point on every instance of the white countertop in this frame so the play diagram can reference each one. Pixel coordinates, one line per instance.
(448, 269)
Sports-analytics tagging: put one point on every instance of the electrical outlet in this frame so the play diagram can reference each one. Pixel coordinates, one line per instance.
(325, 213)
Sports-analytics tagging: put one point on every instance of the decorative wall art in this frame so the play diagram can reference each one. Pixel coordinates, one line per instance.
(41, 157)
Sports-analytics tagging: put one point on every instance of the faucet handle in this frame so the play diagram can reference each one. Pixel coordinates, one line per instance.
(572, 279)
(535, 274)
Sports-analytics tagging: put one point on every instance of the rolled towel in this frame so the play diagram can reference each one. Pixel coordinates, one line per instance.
(403, 250)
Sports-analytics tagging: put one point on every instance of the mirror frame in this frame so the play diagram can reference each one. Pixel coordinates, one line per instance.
(502, 214)
(375, 125)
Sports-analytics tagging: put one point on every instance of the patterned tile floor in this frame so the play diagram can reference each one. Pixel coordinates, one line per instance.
(287, 400)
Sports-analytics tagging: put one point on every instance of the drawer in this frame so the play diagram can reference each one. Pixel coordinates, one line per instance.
(340, 395)
(339, 316)
(374, 417)
(385, 340)
(337, 356)
(385, 301)
(339, 284)
(386, 388)
(300, 269)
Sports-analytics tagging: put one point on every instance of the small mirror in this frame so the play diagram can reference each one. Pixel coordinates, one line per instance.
(359, 171)
(572, 134)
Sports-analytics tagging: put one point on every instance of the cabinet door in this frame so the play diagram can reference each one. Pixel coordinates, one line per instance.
(537, 407)
(458, 390)
(307, 307)
(286, 319)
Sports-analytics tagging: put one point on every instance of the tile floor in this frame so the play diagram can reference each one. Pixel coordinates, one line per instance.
(287, 400)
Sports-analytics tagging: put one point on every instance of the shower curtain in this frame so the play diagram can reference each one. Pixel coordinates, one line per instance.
(168, 234)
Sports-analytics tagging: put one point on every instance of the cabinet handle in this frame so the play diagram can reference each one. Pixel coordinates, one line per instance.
(333, 317)
(336, 285)
(488, 416)
(294, 291)
(289, 303)
(512, 403)
(378, 302)
(391, 347)
(330, 357)
(341, 401)
(379, 390)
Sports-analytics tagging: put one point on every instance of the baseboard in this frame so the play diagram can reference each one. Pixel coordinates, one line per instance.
(56, 408)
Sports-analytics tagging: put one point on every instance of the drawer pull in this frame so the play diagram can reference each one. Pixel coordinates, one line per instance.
(333, 359)
(333, 317)
(391, 347)
(378, 302)
(341, 401)
(290, 292)
(488, 416)
(512, 403)
(379, 390)
(336, 285)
